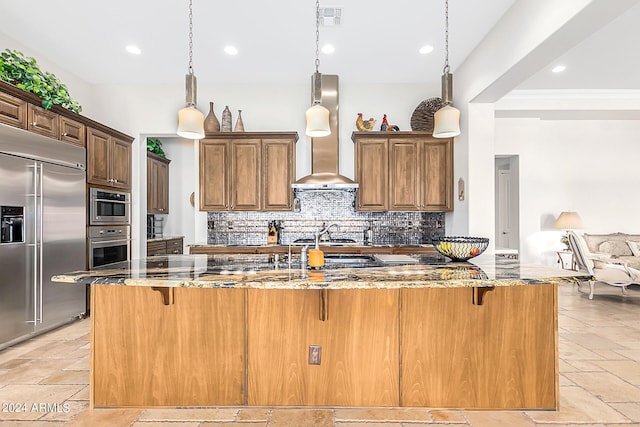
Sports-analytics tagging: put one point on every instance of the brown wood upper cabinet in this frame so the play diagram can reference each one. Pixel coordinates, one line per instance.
(157, 184)
(13, 111)
(108, 160)
(404, 171)
(249, 171)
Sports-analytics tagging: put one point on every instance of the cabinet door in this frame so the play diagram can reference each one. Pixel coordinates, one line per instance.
(245, 178)
(157, 248)
(157, 186)
(120, 164)
(278, 165)
(500, 355)
(372, 171)
(436, 176)
(98, 158)
(71, 131)
(41, 121)
(358, 343)
(403, 175)
(13, 111)
(214, 184)
(185, 350)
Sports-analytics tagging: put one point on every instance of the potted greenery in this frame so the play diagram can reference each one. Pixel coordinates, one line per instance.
(25, 73)
(155, 146)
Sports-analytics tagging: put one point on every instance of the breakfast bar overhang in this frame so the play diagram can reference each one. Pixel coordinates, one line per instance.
(177, 331)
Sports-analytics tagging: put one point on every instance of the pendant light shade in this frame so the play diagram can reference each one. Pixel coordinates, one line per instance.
(446, 121)
(318, 121)
(317, 116)
(190, 119)
(191, 123)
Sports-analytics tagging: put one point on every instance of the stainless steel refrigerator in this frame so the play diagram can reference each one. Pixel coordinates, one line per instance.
(43, 217)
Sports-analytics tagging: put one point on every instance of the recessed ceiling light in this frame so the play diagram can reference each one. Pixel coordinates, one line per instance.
(328, 48)
(231, 50)
(426, 49)
(134, 50)
(558, 69)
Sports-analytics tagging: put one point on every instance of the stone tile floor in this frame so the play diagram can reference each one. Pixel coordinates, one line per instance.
(599, 382)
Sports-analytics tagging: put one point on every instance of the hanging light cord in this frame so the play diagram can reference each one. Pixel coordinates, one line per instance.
(446, 36)
(190, 36)
(317, 34)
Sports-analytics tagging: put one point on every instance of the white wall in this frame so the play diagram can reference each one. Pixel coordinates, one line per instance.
(588, 166)
(142, 111)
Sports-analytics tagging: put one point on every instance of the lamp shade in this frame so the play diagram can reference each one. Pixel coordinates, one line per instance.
(568, 221)
(446, 122)
(317, 121)
(190, 123)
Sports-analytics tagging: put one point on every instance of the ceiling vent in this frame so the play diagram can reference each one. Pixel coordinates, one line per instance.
(330, 15)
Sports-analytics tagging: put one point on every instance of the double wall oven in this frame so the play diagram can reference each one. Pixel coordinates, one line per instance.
(109, 227)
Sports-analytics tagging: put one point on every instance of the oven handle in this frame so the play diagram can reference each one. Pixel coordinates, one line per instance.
(99, 243)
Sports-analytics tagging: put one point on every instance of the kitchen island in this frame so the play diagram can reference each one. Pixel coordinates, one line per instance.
(198, 330)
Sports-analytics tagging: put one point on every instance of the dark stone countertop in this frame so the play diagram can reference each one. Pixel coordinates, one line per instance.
(255, 271)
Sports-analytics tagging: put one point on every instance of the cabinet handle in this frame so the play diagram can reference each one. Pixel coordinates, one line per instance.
(33, 123)
(65, 134)
(324, 301)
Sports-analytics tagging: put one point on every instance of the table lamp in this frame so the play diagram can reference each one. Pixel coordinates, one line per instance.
(568, 221)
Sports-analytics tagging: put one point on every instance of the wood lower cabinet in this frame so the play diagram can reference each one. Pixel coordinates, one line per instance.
(167, 346)
(415, 173)
(165, 247)
(358, 347)
(157, 184)
(498, 355)
(108, 160)
(249, 171)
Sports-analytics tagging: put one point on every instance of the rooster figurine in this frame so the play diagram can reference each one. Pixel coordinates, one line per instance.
(385, 123)
(365, 125)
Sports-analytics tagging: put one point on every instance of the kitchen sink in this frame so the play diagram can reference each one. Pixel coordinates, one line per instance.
(311, 241)
(362, 260)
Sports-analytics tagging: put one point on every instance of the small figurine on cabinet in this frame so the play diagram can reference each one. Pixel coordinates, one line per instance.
(365, 125)
(386, 127)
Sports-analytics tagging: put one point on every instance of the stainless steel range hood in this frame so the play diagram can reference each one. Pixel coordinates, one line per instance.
(325, 158)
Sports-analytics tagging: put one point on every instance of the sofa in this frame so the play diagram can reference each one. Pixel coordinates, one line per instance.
(622, 246)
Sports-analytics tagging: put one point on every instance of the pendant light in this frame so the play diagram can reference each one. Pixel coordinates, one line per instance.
(190, 119)
(447, 119)
(317, 115)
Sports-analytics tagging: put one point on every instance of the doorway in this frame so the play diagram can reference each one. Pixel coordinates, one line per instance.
(507, 205)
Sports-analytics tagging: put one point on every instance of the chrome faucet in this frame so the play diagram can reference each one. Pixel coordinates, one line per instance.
(303, 257)
(324, 230)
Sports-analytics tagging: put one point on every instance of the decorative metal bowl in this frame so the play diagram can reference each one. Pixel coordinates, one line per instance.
(460, 248)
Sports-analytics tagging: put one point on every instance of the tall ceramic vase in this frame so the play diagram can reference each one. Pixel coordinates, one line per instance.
(239, 124)
(211, 123)
(226, 119)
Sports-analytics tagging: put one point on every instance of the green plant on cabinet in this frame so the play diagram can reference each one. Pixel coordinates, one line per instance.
(25, 73)
(155, 146)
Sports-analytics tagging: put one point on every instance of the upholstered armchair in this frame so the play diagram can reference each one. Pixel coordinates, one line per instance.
(604, 269)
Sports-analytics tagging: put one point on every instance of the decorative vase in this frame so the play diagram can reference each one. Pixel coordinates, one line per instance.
(239, 124)
(211, 123)
(226, 120)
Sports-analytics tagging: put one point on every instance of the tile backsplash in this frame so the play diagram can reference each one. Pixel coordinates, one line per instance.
(325, 206)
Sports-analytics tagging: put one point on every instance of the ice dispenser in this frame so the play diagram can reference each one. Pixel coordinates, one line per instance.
(11, 221)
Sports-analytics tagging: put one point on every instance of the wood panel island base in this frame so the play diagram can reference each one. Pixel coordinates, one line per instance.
(433, 335)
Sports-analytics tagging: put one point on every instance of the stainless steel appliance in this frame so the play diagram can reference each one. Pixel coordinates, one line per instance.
(109, 207)
(108, 244)
(42, 219)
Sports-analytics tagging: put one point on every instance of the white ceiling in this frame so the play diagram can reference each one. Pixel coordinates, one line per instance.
(378, 41)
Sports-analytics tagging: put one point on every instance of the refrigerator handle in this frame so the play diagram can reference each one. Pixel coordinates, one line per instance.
(35, 242)
(40, 237)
